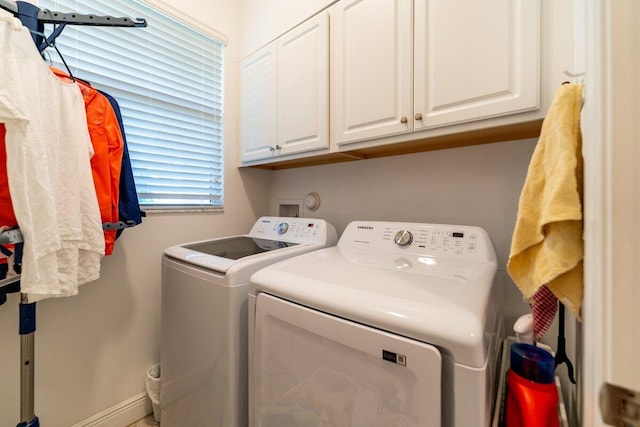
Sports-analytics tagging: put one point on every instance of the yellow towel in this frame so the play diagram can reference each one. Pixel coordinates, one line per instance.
(547, 246)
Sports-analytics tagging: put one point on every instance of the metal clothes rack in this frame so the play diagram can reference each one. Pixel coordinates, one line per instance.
(51, 17)
(31, 15)
(27, 328)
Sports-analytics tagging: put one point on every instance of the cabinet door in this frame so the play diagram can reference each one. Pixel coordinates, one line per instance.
(371, 71)
(303, 87)
(258, 104)
(475, 59)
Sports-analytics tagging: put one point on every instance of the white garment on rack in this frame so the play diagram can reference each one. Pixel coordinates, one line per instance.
(48, 168)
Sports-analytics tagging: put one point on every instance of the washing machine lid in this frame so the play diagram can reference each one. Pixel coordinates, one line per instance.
(451, 304)
(237, 247)
(220, 254)
(269, 240)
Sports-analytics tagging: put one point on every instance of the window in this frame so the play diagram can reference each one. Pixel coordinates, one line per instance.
(168, 80)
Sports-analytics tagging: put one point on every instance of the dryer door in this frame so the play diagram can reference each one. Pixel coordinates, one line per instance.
(312, 369)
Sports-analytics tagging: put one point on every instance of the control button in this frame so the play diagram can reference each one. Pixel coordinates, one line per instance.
(403, 238)
(283, 227)
(472, 246)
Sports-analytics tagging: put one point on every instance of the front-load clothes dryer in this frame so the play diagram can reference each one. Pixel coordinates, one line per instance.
(204, 317)
(400, 324)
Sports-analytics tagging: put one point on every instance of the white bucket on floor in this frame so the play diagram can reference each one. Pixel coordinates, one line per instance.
(153, 390)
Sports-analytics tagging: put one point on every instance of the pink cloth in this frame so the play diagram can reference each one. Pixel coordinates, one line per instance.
(544, 306)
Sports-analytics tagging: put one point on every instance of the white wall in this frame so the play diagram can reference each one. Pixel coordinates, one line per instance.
(92, 350)
(265, 20)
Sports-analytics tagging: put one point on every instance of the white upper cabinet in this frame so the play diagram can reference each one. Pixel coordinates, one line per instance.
(475, 60)
(285, 94)
(303, 87)
(401, 66)
(393, 75)
(371, 70)
(258, 104)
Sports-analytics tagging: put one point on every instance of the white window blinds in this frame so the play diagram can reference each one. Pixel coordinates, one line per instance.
(168, 80)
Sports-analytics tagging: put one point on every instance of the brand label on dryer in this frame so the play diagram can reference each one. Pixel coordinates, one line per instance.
(398, 359)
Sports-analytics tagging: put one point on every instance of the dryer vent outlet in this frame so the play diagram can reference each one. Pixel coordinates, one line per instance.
(290, 208)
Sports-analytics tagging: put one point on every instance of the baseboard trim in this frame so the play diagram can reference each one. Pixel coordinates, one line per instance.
(122, 414)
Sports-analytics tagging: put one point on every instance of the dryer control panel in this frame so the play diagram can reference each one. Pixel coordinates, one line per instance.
(295, 230)
(455, 241)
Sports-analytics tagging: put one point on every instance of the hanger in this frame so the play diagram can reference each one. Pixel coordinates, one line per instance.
(50, 42)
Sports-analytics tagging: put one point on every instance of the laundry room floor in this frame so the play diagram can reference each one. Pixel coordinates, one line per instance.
(145, 422)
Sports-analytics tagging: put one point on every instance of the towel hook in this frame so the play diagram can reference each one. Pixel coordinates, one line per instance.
(573, 75)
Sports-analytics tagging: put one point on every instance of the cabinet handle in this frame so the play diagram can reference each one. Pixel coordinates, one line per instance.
(403, 119)
(418, 116)
(278, 147)
(272, 149)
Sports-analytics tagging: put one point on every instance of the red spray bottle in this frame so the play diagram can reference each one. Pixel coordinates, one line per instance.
(532, 396)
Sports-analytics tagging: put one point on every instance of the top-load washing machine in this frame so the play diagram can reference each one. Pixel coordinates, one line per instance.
(400, 324)
(204, 317)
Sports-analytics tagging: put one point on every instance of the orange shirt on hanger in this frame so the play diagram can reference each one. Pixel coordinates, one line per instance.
(108, 146)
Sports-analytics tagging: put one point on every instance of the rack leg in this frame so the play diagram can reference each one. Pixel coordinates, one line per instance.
(27, 330)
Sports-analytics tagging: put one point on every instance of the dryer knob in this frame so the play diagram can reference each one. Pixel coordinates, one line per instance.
(283, 227)
(403, 238)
